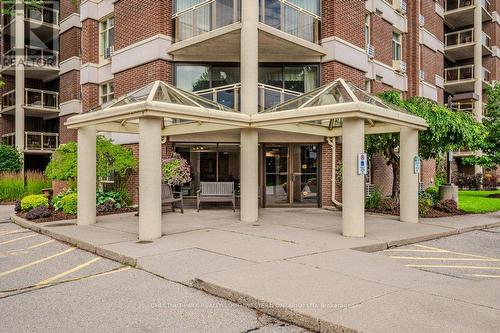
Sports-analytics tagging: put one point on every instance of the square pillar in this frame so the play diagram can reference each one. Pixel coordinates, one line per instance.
(249, 170)
(150, 178)
(353, 184)
(408, 177)
(86, 177)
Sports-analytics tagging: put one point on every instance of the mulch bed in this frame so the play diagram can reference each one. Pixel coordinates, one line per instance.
(494, 195)
(431, 213)
(60, 216)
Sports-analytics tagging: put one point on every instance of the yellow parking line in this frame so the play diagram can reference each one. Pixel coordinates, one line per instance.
(111, 272)
(11, 232)
(453, 266)
(34, 246)
(444, 259)
(74, 269)
(16, 239)
(485, 275)
(448, 251)
(412, 250)
(37, 262)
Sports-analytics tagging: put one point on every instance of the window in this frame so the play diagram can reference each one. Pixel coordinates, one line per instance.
(396, 46)
(107, 92)
(107, 37)
(367, 30)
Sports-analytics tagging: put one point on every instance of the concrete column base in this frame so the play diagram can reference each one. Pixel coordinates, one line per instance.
(447, 192)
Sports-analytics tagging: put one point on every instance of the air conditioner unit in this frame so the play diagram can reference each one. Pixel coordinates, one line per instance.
(421, 20)
(421, 75)
(399, 66)
(400, 6)
(370, 50)
(108, 52)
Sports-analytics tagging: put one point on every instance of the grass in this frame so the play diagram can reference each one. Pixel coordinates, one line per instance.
(12, 185)
(477, 201)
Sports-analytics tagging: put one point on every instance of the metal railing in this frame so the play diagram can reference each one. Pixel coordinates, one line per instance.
(458, 38)
(291, 19)
(486, 75)
(457, 4)
(35, 141)
(205, 17)
(42, 14)
(457, 74)
(486, 4)
(35, 98)
(486, 40)
(270, 96)
(464, 106)
(33, 56)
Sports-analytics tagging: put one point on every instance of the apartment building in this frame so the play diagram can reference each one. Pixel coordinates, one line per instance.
(472, 57)
(29, 116)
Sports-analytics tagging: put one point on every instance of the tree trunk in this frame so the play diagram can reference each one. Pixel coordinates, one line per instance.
(395, 180)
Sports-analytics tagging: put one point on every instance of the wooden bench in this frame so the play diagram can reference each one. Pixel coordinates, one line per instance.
(168, 197)
(216, 192)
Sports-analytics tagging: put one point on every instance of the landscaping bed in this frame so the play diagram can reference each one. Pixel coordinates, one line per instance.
(60, 215)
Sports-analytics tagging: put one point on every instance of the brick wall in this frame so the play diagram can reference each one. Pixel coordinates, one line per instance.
(70, 86)
(341, 18)
(90, 96)
(70, 44)
(90, 41)
(333, 70)
(137, 77)
(428, 172)
(381, 174)
(67, 7)
(381, 39)
(66, 135)
(326, 174)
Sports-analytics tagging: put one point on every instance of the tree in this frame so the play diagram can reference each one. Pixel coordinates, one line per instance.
(448, 130)
(10, 158)
(111, 159)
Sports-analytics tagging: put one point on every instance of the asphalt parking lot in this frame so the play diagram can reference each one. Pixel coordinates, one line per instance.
(473, 255)
(48, 286)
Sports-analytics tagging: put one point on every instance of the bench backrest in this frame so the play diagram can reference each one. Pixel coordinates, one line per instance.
(217, 188)
(166, 192)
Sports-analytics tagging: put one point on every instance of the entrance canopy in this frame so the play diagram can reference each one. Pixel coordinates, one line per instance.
(319, 112)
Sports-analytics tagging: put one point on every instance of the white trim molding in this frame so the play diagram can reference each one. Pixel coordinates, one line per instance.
(93, 73)
(429, 91)
(153, 48)
(496, 51)
(439, 81)
(342, 51)
(95, 9)
(72, 21)
(73, 106)
(439, 9)
(388, 75)
(70, 64)
(431, 41)
(495, 17)
(400, 22)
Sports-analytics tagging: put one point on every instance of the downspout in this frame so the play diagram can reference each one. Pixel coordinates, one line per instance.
(332, 142)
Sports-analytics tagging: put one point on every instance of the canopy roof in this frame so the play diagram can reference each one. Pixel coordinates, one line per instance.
(319, 112)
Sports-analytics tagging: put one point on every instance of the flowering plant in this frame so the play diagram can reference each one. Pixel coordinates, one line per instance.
(175, 170)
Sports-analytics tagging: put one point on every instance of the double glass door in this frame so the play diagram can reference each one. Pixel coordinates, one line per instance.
(291, 175)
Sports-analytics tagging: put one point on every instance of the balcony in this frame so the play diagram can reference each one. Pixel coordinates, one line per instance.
(460, 13)
(40, 63)
(35, 142)
(459, 79)
(459, 45)
(463, 106)
(486, 76)
(229, 95)
(41, 21)
(211, 31)
(38, 103)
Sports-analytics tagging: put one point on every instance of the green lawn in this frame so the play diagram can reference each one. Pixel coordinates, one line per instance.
(477, 201)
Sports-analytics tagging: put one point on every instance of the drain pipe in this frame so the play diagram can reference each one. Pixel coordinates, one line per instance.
(333, 143)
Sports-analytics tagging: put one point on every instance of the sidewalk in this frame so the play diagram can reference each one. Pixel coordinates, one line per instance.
(295, 265)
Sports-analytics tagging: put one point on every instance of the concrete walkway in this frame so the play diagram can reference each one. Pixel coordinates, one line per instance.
(295, 265)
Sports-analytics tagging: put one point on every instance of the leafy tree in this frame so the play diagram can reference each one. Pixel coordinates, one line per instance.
(448, 130)
(11, 159)
(111, 159)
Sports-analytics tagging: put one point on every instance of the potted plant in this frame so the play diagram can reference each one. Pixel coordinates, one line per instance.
(175, 171)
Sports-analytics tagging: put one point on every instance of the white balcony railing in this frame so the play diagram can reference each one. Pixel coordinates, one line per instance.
(486, 74)
(33, 98)
(290, 18)
(459, 38)
(229, 95)
(464, 106)
(486, 40)
(457, 74)
(204, 17)
(42, 14)
(33, 56)
(457, 4)
(35, 141)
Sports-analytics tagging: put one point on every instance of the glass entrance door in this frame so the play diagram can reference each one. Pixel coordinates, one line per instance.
(291, 175)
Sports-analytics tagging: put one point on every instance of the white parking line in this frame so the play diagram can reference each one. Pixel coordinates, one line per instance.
(453, 266)
(17, 239)
(485, 275)
(446, 259)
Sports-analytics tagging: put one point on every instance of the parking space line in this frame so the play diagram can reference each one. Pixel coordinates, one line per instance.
(459, 253)
(126, 268)
(453, 266)
(37, 262)
(16, 239)
(445, 259)
(484, 275)
(12, 232)
(69, 271)
(412, 250)
(34, 246)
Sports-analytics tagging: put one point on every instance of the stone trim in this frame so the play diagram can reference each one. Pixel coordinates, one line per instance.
(70, 107)
(95, 9)
(344, 52)
(70, 64)
(72, 21)
(93, 73)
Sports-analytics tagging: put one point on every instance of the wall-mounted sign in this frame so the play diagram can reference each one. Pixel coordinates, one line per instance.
(362, 164)
(416, 165)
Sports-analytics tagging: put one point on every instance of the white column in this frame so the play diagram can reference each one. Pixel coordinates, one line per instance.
(478, 59)
(19, 72)
(149, 178)
(408, 150)
(353, 184)
(249, 202)
(86, 176)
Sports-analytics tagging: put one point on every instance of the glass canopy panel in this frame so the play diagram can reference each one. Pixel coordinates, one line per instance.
(364, 97)
(137, 96)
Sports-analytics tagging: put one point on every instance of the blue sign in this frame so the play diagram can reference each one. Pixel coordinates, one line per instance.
(416, 165)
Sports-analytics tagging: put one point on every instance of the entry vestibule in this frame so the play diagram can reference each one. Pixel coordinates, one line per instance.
(337, 109)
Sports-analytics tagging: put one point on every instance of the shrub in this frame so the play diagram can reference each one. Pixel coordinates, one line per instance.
(36, 181)
(38, 213)
(10, 158)
(57, 200)
(448, 206)
(103, 197)
(17, 206)
(33, 201)
(176, 170)
(389, 204)
(11, 186)
(69, 203)
(434, 193)
(108, 206)
(424, 202)
(490, 180)
(373, 200)
(471, 182)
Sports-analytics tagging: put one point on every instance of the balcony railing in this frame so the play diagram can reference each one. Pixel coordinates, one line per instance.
(42, 14)
(486, 75)
(34, 98)
(464, 106)
(33, 56)
(457, 74)
(459, 38)
(229, 95)
(457, 4)
(205, 17)
(486, 4)
(486, 40)
(35, 141)
(292, 19)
